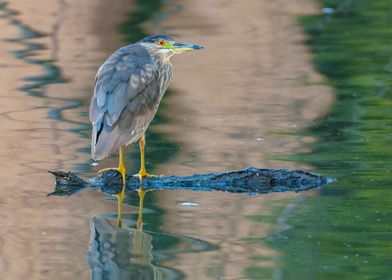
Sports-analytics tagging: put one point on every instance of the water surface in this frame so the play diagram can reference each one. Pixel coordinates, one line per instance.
(346, 232)
(252, 98)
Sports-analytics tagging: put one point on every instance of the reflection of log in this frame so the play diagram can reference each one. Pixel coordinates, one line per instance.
(251, 180)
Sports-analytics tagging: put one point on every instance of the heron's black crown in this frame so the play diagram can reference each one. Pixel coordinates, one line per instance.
(154, 38)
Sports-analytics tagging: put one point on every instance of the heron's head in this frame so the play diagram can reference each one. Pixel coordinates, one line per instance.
(165, 47)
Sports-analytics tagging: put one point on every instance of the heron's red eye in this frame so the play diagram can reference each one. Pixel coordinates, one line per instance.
(161, 42)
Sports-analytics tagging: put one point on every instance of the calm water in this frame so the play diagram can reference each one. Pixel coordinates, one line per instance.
(280, 85)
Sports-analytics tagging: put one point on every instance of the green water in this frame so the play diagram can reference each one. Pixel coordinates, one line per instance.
(346, 231)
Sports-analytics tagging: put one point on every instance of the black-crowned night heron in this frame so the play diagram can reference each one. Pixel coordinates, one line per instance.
(128, 89)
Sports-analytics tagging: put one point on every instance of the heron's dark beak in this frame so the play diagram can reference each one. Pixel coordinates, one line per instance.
(184, 47)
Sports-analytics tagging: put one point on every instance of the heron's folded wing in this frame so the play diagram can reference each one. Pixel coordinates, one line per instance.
(123, 76)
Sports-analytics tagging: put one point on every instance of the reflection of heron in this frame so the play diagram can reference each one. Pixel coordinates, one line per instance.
(128, 89)
(139, 224)
(118, 253)
(124, 253)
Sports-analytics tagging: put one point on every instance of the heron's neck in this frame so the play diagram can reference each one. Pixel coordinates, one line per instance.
(161, 58)
(164, 63)
(165, 72)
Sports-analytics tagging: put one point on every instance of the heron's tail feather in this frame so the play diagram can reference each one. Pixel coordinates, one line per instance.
(107, 139)
(104, 141)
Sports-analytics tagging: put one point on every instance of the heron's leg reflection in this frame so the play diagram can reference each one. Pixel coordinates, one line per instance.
(142, 171)
(120, 196)
(142, 193)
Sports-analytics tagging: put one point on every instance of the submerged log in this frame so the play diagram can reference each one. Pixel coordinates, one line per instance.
(251, 180)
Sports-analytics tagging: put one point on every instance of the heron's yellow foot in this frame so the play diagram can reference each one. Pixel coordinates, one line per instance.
(120, 169)
(108, 169)
(143, 173)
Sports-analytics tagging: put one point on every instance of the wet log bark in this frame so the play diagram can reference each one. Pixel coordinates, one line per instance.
(251, 180)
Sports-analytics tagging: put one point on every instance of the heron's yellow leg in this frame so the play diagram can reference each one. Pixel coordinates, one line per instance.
(142, 193)
(142, 171)
(120, 197)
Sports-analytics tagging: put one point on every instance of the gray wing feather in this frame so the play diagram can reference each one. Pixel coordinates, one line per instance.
(117, 100)
(126, 97)
(131, 124)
